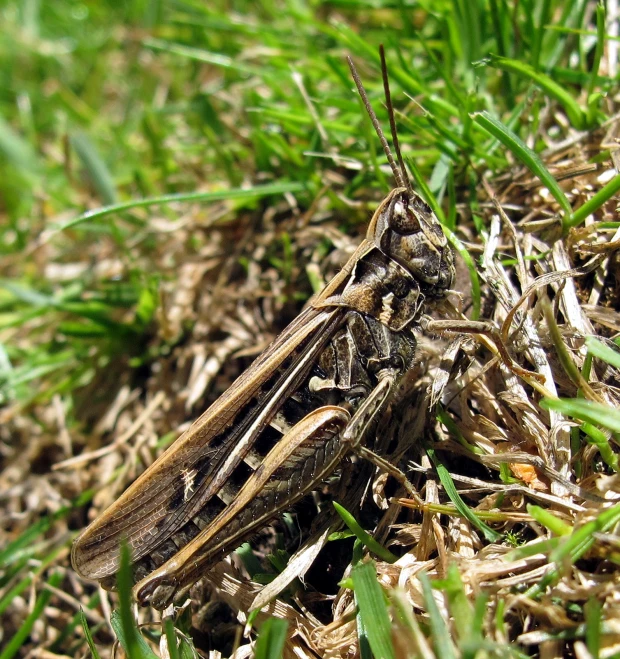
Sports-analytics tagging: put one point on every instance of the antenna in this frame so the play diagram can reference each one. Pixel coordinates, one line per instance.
(390, 109)
(398, 173)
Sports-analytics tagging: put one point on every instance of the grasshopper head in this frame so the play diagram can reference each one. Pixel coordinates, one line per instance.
(406, 229)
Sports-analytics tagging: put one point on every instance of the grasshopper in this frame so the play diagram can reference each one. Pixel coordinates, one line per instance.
(286, 424)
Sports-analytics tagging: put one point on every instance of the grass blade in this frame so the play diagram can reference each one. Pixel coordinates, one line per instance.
(455, 497)
(363, 536)
(603, 351)
(586, 410)
(440, 632)
(549, 520)
(271, 639)
(592, 609)
(600, 47)
(373, 610)
(97, 170)
(255, 192)
(171, 638)
(122, 620)
(594, 203)
(89, 637)
(12, 551)
(574, 112)
(409, 639)
(14, 644)
(15, 149)
(600, 439)
(530, 159)
(571, 548)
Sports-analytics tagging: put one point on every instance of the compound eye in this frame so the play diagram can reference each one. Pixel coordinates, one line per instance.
(401, 218)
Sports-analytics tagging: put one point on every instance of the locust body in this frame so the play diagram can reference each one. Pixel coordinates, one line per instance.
(287, 422)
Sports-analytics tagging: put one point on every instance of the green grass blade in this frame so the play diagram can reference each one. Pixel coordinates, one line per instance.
(439, 630)
(271, 639)
(31, 575)
(97, 170)
(549, 520)
(69, 630)
(13, 550)
(586, 410)
(592, 610)
(412, 637)
(364, 537)
(129, 637)
(600, 46)
(15, 149)
(89, 637)
(201, 55)
(171, 638)
(476, 630)
(577, 116)
(13, 646)
(249, 559)
(584, 537)
(459, 605)
(425, 190)
(122, 620)
(255, 192)
(533, 548)
(572, 548)
(598, 438)
(362, 636)
(603, 351)
(373, 609)
(523, 152)
(544, 10)
(562, 352)
(594, 203)
(455, 497)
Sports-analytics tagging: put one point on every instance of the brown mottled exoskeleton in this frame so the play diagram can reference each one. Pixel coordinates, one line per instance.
(288, 421)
